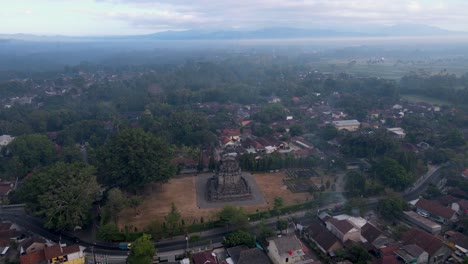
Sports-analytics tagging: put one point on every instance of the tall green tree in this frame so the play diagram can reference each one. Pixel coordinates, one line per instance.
(355, 183)
(392, 174)
(116, 201)
(173, 217)
(278, 203)
(233, 217)
(62, 194)
(134, 158)
(392, 207)
(29, 152)
(142, 251)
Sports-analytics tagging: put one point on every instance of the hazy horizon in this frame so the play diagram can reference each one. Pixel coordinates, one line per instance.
(139, 17)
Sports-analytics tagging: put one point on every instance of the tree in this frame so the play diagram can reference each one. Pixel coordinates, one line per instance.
(356, 206)
(109, 232)
(264, 231)
(233, 217)
(282, 224)
(296, 130)
(391, 207)
(328, 132)
(392, 174)
(355, 183)
(239, 238)
(358, 254)
(62, 194)
(142, 251)
(134, 158)
(116, 202)
(173, 217)
(32, 151)
(278, 203)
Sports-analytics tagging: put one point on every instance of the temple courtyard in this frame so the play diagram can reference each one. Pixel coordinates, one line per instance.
(186, 192)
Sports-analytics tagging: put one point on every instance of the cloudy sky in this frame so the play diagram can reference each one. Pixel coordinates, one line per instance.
(122, 17)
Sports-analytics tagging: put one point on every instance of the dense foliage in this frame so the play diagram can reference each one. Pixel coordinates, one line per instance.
(134, 158)
(62, 194)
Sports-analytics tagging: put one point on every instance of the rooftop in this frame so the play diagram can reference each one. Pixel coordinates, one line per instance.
(353, 122)
(434, 208)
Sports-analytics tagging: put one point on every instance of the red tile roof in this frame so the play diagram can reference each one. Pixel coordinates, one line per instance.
(389, 260)
(343, 225)
(322, 236)
(388, 251)
(234, 132)
(56, 251)
(370, 232)
(203, 258)
(53, 252)
(33, 258)
(426, 241)
(435, 208)
(71, 249)
(5, 188)
(5, 226)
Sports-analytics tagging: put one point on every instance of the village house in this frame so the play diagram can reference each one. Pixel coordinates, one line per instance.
(435, 211)
(285, 249)
(397, 132)
(323, 238)
(412, 254)
(437, 250)
(32, 244)
(346, 227)
(350, 125)
(422, 222)
(204, 258)
(244, 255)
(373, 238)
(69, 254)
(458, 242)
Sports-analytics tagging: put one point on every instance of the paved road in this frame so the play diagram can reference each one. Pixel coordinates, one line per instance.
(432, 176)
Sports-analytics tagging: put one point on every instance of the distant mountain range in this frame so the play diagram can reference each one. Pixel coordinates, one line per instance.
(267, 33)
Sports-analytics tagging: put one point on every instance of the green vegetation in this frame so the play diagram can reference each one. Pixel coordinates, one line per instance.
(233, 218)
(238, 238)
(392, 207)
(142, 251)
(62, 194)
(134, 158)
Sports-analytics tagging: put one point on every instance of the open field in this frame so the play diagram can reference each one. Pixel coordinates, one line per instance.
(391, 68)
(420, 98)
(181, 192)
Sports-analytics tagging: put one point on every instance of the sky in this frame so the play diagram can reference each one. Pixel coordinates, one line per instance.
(134, 17)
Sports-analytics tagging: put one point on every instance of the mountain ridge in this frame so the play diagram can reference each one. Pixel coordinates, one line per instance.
(265, 33)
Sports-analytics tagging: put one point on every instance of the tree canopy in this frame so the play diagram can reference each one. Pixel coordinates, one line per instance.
(134, 158)
(237, 238)
(142, 251)
(62, 194)
(392, 174)
(391, 207)
(233, 217)
(355, 183)
(26, 153)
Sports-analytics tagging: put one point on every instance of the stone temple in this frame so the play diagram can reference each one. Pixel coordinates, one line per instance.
(228, 184)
